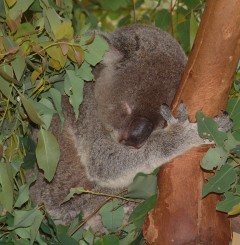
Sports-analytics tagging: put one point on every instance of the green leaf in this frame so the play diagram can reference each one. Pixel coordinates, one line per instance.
(132, 231)
(10, 3)
(6, 89)
(215, 157)
(47, 153)
(143, 186)
(34, 228)
(73, 87)
(137, 216)
(221, 181)
(73, 191)
(191, 4)
(95, 50)
(163, 19)
(28, 106)
(57, 100)
(89, 237)
(54, 20)
(235, 210)
(47, 117)
(183, 34)
(56, 53)
(114, 5)
(231, 199)
(18, 65)
(23, 195)
(23, 218)
(63, 237)
(19, 8)
(108, 240)
(193, 29)
(112, 215)
(231, 142)
(208, 129)
(6, 180)
(85, 72)
(233, 110)
(78, 235)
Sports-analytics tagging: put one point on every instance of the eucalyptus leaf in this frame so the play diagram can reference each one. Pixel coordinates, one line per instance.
(73, 191)
(112, 215)
(96, 50)
(34, 228)
(230, 200)
(19, 8)
(208, 129)
(108, 240)
(114, 5)
(6, 181)
(73, 86)
(193, 28)
(31, 111)
(23, 195)
(215, 157)
(47, 153)
(143, 186)
(163, 19)
(233, 109)
(137, 216)
(47, 117)
(54, 20)
(25, 218)
(221, 181)
(85, 72)
(235, 210)
(231, 142)
(132, 231)
(57, 100)
(6, 89)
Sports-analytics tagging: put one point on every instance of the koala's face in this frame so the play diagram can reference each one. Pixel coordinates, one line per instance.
(141, 71)
(129, 103)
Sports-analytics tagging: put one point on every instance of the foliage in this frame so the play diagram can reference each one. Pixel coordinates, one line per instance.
(224, 160)
(46, 50)
(180, 17)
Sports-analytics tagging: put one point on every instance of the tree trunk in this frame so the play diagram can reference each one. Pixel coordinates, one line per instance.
(181, 216)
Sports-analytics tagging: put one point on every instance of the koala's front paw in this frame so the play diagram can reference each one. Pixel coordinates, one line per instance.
(224, 122)
(182, 114)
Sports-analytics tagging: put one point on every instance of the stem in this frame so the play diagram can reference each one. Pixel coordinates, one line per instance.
(110, 197)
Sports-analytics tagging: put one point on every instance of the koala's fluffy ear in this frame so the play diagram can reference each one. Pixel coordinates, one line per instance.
(111, 57)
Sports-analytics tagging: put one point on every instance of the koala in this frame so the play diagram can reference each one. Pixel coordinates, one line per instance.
(121, 127)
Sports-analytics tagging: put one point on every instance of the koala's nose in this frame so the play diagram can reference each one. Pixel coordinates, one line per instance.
(137, 133)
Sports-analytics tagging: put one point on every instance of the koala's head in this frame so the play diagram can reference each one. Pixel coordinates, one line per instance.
(140, 72)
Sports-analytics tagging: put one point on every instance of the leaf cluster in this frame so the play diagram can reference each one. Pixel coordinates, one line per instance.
(41, 58)
(224, 159)
(180, 17)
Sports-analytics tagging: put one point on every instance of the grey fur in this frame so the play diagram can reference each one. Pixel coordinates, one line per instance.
(140, 72)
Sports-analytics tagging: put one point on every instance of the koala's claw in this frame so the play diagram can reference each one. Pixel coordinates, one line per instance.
(167, 114)
(182, 114)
